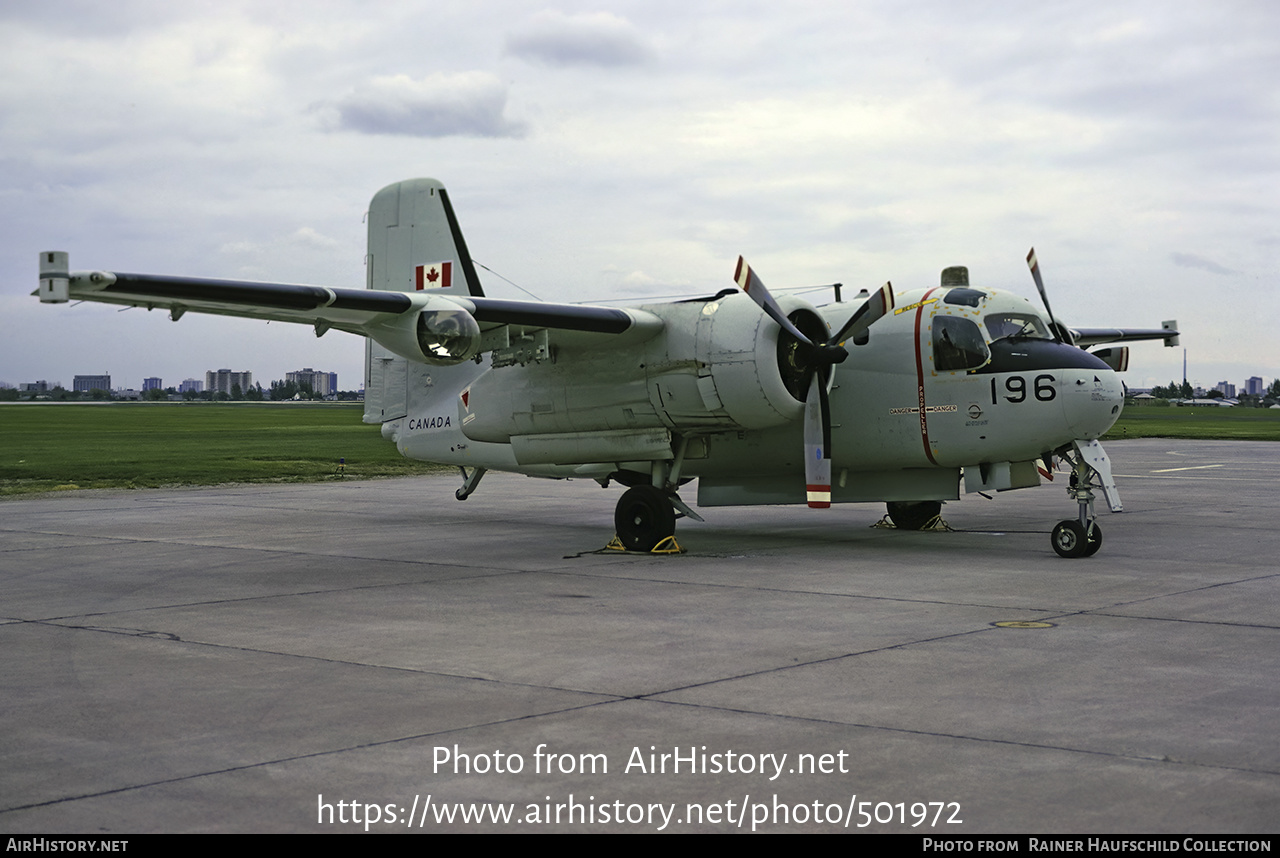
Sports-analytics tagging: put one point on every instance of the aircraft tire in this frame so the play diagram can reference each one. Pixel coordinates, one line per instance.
(1095, 540)
(912, 515)
(1070, 540)
(643, 518)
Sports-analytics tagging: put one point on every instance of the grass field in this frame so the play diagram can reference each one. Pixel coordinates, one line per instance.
(48, 447)
(142, 445)
(1228, 424)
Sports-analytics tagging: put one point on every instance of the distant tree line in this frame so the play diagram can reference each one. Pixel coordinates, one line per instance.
(1173, 391)
(279, 391)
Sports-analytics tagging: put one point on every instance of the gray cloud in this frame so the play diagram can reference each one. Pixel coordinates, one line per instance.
(1190, 260)
(597, 39)
(465, 104)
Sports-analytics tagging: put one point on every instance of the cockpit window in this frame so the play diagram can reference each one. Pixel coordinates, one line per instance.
(1001, 325)
(957, 344)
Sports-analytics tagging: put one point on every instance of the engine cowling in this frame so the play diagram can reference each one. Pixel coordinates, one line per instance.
(749, 374)
(718, 365)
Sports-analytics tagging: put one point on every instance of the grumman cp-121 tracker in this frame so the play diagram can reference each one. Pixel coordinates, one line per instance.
(888, 397)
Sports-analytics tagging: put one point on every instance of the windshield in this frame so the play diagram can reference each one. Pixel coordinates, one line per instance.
(957, 344)
(1013, 325)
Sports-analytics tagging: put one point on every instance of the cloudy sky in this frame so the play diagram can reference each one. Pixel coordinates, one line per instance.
(623, 150)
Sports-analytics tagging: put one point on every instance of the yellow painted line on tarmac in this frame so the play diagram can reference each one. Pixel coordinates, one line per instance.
(1192, 468)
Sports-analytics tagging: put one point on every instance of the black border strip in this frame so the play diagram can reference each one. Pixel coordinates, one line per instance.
(565, 317)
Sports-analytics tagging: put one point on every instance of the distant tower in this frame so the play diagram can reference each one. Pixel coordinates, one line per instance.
(1184, 366)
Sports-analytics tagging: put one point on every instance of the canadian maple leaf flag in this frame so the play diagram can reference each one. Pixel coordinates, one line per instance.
(433, 275)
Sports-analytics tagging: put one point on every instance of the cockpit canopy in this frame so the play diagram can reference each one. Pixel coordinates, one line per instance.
(960, 342)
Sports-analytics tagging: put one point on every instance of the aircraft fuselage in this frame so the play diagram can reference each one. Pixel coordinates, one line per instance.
(953, 377)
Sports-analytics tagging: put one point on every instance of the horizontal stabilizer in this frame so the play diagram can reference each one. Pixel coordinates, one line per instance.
(1085, 337)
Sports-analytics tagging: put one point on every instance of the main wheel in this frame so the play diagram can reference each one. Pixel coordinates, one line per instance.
(644, 518)
(1070, 539)
(913, 515)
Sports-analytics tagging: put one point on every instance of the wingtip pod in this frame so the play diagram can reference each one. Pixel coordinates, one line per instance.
(1171, 325)
(55, 277)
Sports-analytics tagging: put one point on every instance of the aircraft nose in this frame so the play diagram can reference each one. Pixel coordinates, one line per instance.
(1092, 400)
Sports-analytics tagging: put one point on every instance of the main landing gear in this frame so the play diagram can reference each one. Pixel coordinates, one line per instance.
(1090, 469)
(644, 519)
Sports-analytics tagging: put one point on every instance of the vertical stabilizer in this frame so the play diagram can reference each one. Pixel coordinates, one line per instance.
(414, 244)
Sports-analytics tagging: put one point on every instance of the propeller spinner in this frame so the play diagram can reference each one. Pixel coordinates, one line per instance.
(814, 360)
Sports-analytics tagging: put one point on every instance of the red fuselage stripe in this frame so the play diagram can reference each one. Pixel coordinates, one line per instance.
(924, 425)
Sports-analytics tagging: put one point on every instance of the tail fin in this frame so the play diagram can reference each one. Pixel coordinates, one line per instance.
(414, 243)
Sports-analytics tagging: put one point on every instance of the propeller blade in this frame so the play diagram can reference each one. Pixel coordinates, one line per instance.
(816, 359)
(872, 309)
(817, 444)
(1034, 265)
(748, 282)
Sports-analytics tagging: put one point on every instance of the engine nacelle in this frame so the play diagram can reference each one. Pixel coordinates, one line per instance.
(719, 365)
(442, 334)
(744, 365)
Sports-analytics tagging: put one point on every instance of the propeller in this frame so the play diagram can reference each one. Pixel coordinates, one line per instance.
(1060, 333)
(814, 360)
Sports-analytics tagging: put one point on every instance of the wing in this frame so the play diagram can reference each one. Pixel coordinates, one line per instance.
(410, 324)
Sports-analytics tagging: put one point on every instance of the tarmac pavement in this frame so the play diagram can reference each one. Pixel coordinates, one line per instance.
(270, 658)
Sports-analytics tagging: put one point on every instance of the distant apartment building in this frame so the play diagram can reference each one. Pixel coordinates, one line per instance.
(1227, 389)
(86, 383)
(323, 383)
(222, 380)
(152, 384)
(1254, 387)
(40, 386)
(191, 385)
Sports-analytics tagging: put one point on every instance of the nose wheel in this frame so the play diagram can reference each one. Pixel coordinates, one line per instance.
(1072, 539)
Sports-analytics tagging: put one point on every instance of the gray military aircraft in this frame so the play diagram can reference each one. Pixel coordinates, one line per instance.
(890, 397)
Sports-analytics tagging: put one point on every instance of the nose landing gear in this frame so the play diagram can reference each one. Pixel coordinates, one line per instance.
(1090, 469)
